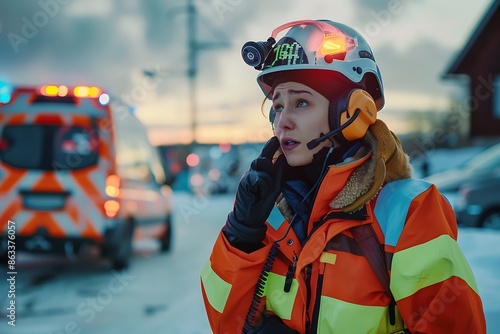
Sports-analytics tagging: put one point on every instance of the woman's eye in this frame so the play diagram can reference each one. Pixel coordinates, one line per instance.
(302, 104)
(278, 108)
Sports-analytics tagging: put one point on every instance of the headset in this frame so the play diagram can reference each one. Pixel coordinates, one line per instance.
(349, 116)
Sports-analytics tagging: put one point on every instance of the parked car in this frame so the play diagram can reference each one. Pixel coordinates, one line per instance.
(480, 169)
(478, 203)
(213, 169)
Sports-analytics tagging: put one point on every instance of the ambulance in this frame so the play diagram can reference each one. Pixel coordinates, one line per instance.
(77, 171)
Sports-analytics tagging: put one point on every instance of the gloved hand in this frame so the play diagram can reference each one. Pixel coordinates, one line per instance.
(256, 194)
(272, 325)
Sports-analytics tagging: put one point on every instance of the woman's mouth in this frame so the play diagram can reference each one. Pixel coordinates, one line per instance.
(289, 143)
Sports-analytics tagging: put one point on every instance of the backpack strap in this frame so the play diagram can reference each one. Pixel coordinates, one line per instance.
(373, 252)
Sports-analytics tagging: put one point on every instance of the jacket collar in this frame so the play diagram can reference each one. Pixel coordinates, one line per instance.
(349, 185)
(333, 186)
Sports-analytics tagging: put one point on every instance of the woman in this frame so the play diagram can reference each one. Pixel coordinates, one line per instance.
(354, 244)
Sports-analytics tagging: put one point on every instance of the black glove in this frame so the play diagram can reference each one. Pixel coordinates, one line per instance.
(256, 194)
(273, 325)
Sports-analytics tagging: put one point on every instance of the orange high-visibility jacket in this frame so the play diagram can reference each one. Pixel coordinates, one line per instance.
(334, 288)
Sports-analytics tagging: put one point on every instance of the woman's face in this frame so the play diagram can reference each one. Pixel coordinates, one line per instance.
(301, 116)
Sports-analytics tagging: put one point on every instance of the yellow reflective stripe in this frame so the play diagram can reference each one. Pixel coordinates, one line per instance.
(216, 289)
(328, 258)
(427, 264)
(277, 300)
(337, 316)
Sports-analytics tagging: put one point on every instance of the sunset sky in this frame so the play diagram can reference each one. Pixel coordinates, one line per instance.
(111, 42)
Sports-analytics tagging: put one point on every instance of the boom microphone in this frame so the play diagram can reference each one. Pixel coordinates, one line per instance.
(315, 142)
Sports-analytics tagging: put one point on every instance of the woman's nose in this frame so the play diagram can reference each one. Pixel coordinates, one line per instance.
(284, 120)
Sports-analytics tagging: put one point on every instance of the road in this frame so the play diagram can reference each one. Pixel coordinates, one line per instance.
(160, 293)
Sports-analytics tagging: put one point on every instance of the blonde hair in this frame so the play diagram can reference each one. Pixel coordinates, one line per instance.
(263, 104)
(262, 108)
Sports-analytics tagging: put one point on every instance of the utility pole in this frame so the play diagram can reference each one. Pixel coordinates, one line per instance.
(193, 48)
(192, 70)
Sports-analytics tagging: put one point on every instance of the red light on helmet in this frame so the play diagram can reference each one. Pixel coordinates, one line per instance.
(337, 43)
(334, 41)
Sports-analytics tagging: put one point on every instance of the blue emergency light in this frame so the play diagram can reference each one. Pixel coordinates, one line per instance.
(5, 92)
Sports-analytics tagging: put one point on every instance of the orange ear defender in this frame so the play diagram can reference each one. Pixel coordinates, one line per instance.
(353, 113)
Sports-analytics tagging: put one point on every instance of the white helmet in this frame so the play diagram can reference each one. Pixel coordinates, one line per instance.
(316, 45)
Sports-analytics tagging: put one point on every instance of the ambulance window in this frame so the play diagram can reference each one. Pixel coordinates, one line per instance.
(132, 149)
(156, 165)
(75, 147)
(23, 147)
(48, 147)
(54, 99)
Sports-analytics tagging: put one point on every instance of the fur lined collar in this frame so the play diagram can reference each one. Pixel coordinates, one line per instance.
(387, 163)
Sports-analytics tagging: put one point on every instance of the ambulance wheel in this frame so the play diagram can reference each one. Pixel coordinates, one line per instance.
(166, 238)
(120, 257)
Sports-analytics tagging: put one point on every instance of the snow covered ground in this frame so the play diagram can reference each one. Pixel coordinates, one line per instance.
(481, 248)
(443, 159)
(161, 293)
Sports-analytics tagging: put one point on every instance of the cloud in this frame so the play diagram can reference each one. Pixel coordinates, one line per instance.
(417, 69)
(77, 44)
(111, 42)
(373, 4)
(90, 8)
